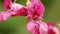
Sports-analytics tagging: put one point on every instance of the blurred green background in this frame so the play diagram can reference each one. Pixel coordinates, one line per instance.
(17, 25)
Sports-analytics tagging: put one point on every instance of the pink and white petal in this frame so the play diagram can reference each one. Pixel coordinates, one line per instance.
(5, 15)
(51, 28)
(33, 28)
(30, 26)
(18, 9)
(15, 6)
(21, 12)
(56, 30)
(43, 28)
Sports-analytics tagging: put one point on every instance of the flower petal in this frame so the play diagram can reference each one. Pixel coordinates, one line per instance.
(18, 9)
(56, 30)
(43, 28)
(7, 4)
(35, 8)
(33, 28)
(5, 15)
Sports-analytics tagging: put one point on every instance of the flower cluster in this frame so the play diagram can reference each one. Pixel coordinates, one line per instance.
(34, 12)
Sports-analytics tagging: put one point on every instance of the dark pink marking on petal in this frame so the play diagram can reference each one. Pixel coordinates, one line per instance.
(21, 12)
(7, 4)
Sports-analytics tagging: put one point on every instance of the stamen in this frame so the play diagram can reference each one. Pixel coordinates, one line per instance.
(15, 1)
(28, 1)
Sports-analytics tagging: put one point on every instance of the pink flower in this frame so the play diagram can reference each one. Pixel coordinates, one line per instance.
(36, 27)
(35, 9)
(33, 27)
(15, 8)
(35, 13)
(12, 9)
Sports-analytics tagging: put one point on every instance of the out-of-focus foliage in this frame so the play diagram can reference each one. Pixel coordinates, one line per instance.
(17, 25)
